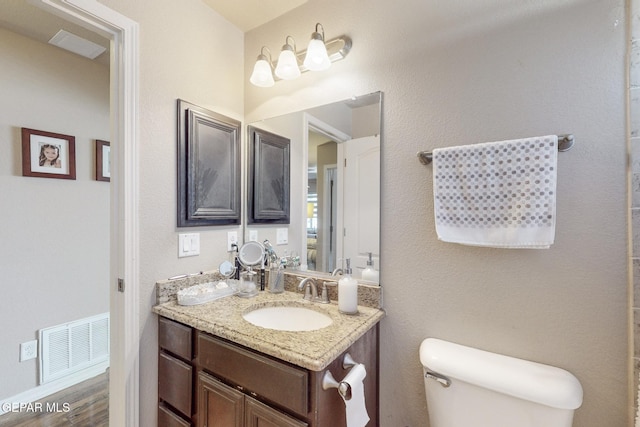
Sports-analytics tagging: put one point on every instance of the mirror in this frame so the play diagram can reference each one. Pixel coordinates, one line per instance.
(335, 184)
(226, 269)
(251, 254)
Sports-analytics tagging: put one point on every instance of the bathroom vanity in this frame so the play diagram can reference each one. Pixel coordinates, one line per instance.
(217, 369)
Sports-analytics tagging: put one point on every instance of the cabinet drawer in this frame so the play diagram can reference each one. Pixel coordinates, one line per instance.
(175, 383)
(166, 418)
(175, 338)
(277, 382)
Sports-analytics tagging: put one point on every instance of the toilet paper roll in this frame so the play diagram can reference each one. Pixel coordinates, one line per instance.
(356, 409)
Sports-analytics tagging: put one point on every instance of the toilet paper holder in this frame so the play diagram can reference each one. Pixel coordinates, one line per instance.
(328, 381)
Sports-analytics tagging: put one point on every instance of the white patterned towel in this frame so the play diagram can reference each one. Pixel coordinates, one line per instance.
(497, 194)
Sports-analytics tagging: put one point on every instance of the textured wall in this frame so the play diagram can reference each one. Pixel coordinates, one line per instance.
(468, 72)
(187, 51)
(634, 133)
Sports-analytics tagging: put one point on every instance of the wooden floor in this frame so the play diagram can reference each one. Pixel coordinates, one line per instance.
(84, 405)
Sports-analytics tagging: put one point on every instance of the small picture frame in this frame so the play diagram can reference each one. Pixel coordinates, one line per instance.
(103, 161)
(48, 154)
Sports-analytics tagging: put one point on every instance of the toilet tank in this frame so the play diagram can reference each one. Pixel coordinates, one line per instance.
(467, 387)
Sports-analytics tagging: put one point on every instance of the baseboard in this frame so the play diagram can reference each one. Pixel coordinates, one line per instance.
(48, 389)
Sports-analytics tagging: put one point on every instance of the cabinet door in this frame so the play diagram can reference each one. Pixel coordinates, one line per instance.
(260, 415)
(218, 404)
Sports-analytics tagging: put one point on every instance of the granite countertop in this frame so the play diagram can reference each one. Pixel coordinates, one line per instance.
(313, 350)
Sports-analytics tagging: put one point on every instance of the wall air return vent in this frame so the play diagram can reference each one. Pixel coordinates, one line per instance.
(65, 40)
(71, 347)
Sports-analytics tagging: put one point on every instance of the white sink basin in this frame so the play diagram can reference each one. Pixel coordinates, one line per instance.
(288, 318)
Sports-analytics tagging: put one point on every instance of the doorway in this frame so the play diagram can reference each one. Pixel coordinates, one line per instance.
(124, 240)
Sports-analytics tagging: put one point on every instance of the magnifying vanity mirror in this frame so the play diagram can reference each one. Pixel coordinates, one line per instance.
(335, 184)
(251, 254)
(226, 269)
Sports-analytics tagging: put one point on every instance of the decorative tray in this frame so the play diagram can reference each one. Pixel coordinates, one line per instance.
(205, 292)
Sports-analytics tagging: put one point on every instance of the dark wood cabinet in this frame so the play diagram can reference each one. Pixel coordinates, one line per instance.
(167, 418)
(207, 381)
(220, 405)
(281, 384)
(175, 374)
(258, 414)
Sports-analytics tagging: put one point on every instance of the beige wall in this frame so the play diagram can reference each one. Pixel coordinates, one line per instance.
(187, 51)
(471, 75)
(634, 133)
(54, 233)
(474, 74)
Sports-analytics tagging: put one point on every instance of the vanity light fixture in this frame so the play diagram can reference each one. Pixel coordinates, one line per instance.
(262, 71)
(317, 57)
(288, 68)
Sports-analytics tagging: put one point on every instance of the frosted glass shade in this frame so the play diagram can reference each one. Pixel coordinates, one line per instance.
(317, 58)
(287, 68)
(262, 75)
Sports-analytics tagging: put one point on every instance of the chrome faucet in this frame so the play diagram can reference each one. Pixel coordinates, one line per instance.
(310, 288)
(324, 299)
(336, 271)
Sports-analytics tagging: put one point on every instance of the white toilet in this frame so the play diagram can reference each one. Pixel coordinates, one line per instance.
(467, 387)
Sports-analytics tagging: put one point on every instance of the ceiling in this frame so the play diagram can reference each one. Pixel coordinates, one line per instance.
(30, 21)
(249, 14)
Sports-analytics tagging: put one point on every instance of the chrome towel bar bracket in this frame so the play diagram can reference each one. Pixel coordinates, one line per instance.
(328, 381)
(565, 143)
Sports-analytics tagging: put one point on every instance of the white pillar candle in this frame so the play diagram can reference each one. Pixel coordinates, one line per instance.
(348, 295)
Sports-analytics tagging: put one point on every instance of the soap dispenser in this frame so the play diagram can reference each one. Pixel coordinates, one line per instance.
(370, 273)
(348, 292)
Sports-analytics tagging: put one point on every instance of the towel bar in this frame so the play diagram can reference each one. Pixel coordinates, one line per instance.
(565, 142)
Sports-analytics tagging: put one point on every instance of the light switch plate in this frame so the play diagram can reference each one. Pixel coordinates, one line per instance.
(188, 245)
(282, 236)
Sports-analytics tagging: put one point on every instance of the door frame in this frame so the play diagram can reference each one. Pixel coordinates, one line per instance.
(312, 123)
(327, 212)
(124, 396)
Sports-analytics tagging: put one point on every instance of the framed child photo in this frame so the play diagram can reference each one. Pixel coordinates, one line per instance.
(48, 154)
(103, 161)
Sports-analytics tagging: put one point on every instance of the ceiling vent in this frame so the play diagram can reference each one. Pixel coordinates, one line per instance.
(78, 45)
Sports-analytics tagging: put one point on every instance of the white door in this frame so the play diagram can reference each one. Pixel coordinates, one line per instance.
(361, 202)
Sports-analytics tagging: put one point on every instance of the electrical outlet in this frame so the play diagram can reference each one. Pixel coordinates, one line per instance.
(253, 235)
(28, 350)
(232, 239)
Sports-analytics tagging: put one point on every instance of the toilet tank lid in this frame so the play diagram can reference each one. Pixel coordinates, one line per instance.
(535, 382)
